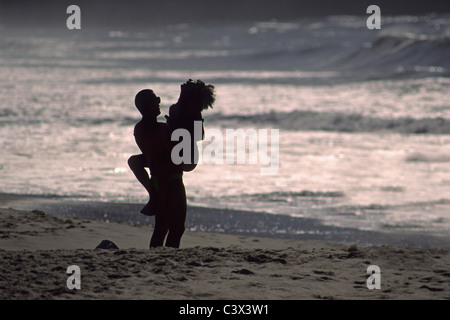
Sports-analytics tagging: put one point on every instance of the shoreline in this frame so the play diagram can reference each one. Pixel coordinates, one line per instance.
(224, 221)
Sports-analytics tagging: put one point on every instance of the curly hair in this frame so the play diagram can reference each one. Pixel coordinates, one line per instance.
(198, 95)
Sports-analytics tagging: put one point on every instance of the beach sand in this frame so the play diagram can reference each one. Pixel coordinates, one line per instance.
(37, 248)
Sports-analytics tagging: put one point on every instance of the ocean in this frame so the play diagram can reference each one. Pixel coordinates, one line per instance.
(363, 115)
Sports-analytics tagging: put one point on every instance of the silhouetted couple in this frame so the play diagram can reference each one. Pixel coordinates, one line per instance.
(165, 187)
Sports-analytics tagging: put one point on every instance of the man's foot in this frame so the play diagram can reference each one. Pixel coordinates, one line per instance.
(149, 209)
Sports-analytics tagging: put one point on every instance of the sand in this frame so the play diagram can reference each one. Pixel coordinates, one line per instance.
(37, 248)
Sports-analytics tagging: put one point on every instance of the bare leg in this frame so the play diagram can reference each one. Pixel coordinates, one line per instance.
(137, 164)
(170, 221)
(160, 231)
(176, 213)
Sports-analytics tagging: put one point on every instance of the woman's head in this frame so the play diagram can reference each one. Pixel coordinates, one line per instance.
(197, 95)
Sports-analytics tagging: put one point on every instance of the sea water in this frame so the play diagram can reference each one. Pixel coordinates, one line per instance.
(363, 115)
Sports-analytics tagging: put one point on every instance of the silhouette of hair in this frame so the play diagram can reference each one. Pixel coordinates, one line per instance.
(146, 99)
(197, 96)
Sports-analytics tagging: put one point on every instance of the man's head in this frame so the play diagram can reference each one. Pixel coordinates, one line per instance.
(147, 102)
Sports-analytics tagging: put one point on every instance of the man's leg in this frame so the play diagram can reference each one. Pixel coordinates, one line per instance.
(177, 208)
(160, 231)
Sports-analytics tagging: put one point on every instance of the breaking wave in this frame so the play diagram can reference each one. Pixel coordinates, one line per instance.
(335, 121)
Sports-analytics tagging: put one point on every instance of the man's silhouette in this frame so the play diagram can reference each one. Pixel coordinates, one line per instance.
(153, 139)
